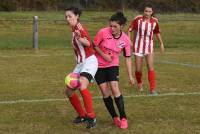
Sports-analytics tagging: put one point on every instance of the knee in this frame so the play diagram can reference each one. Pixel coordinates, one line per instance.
(105, 93)
(83, 83)
(68, 92)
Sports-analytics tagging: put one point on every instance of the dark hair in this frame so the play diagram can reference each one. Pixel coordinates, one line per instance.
(150, 5)
(119, 18)
(75, 10)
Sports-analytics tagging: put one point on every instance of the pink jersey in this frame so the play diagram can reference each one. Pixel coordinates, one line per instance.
(112, 46)
(81, 52)
(143, 35)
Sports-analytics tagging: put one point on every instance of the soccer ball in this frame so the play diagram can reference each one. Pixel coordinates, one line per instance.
(72, 80)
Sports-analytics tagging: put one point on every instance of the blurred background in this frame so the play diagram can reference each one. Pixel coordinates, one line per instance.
(56, 5)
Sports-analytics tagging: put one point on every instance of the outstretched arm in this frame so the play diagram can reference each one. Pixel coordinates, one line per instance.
(162, 48)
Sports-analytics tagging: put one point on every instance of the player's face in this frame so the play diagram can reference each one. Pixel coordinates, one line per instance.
(71, 18)
(115, 28)
(148, 11)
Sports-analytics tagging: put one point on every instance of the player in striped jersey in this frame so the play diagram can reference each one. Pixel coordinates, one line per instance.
(144, 27)
(87, 65)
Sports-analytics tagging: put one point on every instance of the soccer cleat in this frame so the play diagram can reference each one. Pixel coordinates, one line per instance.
(117, 121)
(91, 122)
(79, 119)
(140, 87)
(124, 123)
(153, 93)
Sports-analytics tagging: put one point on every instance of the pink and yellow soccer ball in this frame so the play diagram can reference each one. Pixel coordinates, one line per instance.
(72, 80)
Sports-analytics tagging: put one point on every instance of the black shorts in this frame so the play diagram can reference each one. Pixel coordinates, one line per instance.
(107, 74)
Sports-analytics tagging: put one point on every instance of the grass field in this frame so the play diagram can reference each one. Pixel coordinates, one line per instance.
(32, 82)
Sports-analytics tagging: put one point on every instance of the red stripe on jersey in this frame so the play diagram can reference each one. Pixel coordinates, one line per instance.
(135, 35)
(145, 34)
(140, 35)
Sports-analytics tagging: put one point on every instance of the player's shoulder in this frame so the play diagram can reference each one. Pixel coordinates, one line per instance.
(154, 19)
(125, 36)
(138, 17)
(104, 30)
(81, 27)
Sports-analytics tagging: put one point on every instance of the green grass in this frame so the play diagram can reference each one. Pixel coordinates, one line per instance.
(26, 74)
(178, 30)
(32, 75)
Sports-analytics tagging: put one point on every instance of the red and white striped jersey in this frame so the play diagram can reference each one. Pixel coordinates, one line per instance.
(82, 52)
(143, 34)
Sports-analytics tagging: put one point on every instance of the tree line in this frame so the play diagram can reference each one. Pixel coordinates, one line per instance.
(56, 5)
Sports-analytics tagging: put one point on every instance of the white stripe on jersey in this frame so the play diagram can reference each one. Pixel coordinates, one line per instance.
(137, 36)
(142, 38)
(81, 48)
(139, 39)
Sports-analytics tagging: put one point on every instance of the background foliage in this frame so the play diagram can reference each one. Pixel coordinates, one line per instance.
(160, 5)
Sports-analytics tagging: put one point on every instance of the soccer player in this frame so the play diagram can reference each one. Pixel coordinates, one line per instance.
(144, 27)
(87, 65)
(109, 42)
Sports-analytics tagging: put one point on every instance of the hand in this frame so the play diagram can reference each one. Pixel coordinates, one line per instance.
(107, 57)
(162, 48)
(77, 34)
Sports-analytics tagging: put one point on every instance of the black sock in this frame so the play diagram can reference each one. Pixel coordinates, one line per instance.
(120, 105)
(109, 105)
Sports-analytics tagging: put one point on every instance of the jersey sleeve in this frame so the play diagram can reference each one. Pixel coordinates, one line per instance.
(133, 25)
(84, 33)
(127, 48)
(98, 38)
(157, 29)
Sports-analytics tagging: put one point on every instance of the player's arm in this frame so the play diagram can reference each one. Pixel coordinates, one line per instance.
(98, 40)
(82, 39)
(128, 62)
(129, 33)
(131, 29)
(158, 35)
(106, 57)
(162, 48)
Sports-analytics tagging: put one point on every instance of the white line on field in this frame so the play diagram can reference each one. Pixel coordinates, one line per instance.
(182, 64)
(96, 98)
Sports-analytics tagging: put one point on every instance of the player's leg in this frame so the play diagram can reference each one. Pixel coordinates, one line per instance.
(113, 78)
(87, 74)
(120, 103)
(87, 98)
(151, 73)
(138, 71)
(75, 102)
(101, 79)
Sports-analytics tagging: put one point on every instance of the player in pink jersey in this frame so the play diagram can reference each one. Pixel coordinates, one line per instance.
(87, 65)
(109, 42)
(144, 27)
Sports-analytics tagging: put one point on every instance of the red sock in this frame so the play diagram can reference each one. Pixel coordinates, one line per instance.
(77, 105)
(152, 81)
(87, 99)
(138, 76)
